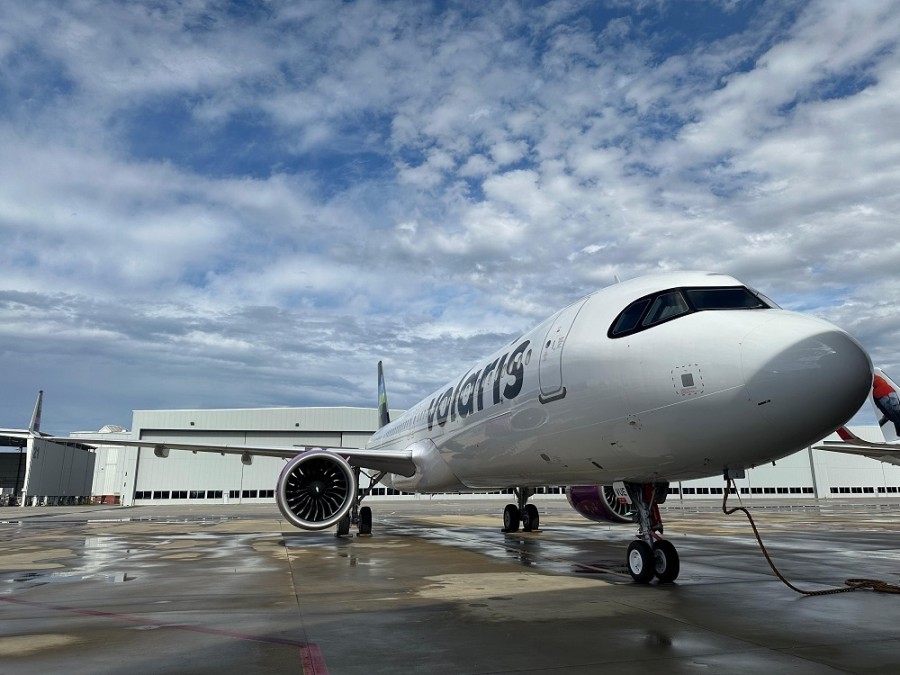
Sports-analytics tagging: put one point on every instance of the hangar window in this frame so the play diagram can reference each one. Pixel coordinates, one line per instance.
(214, 494)
(658, 308)
(197, 494)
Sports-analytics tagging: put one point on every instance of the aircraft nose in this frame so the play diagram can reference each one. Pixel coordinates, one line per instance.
(805, 376)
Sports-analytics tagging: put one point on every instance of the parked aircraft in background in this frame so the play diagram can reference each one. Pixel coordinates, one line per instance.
(19, 437)
(662, 378)
(886, 402)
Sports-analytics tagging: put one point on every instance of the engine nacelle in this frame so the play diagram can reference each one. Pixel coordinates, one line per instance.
(315, 489)
(598, 503)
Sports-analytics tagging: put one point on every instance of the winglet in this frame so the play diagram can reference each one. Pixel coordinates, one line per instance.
(34, 427)
(887, 405)
(384, 417)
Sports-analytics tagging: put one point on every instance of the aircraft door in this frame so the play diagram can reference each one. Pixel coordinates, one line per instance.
(550, 368)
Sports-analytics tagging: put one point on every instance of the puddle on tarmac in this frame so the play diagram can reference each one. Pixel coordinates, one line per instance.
(32, 579)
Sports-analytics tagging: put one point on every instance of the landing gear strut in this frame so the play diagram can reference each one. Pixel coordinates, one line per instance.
(521, 512)
(359, 516)
(650, 555)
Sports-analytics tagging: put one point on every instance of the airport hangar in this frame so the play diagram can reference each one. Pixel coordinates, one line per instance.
(54, 473)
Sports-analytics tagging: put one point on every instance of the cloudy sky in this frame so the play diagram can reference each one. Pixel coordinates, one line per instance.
(236, 204)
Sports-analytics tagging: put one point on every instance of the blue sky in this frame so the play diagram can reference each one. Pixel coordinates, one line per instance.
(229, 204)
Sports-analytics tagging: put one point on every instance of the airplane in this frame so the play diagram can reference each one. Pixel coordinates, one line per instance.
(886, 402)
(662, 378)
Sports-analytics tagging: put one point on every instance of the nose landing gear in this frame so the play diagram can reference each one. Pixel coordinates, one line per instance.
(650, 555)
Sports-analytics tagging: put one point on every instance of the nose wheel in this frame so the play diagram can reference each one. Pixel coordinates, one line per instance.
(640, 561)
(650, 555)
(666, 564)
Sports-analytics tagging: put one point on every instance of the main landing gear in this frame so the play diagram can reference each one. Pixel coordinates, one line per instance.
(650, 555)
(359, 516)
(521, 512)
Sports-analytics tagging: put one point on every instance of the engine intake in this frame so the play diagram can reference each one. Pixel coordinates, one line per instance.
(315, 489)
(598, 503)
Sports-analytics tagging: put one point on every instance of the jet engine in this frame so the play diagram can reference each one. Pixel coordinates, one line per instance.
(315, 489)
(598, 503)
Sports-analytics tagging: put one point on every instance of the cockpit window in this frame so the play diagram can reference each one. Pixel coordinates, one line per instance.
(666, 306)
(672, 303)
(630, 318)
(723, 298)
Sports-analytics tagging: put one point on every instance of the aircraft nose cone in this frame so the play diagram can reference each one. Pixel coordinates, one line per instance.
(805, 376)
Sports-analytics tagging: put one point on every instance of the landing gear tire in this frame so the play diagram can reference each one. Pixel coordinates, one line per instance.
(530, 519)
(666, 562)
(343, 527)
(641, 563)
(511, 518)
(365, 521)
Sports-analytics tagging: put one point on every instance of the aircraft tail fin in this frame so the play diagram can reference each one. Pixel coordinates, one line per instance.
(384, 416)
(886, 400)
(34, 427)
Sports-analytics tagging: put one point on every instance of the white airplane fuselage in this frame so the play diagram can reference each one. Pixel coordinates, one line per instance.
(568, 403)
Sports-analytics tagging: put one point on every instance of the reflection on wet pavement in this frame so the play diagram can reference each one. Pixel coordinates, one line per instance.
(438, 589)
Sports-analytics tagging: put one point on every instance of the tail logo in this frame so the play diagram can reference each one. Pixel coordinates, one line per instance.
(887, 401)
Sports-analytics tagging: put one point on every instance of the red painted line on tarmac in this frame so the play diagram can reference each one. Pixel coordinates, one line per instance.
(310, 655)
(312, 661)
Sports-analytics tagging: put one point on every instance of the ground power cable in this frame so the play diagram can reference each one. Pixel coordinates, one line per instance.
(849, 584)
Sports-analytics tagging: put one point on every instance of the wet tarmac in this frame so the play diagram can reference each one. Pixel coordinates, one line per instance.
(439, 589)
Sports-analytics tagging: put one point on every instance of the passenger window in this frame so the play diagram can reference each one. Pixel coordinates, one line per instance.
(628, 319)
(666, 306)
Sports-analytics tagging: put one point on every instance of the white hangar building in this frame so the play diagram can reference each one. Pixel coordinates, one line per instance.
(133, 476)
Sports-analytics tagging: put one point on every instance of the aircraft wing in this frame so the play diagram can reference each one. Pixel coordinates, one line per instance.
(852, 444)
(883, 452)
(391, 462)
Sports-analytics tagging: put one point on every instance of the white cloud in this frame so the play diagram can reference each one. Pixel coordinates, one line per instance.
(286, 196)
